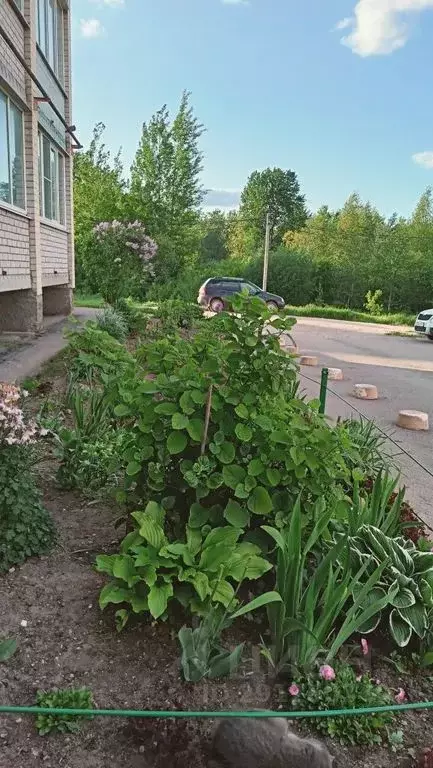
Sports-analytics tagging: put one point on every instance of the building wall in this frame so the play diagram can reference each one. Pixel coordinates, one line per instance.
(11, 72)
(36, 257)
(14, 251)
(54, 249)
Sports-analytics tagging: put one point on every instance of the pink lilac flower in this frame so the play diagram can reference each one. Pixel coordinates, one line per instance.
(327, 672)
(364, 646)
(294, 690)
(401, 696)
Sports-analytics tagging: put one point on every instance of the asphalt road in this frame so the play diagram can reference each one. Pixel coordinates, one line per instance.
(401, 368)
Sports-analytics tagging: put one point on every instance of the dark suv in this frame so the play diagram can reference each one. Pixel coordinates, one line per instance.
(216, 292)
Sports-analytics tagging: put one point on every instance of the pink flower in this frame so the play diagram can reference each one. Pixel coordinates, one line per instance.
(364, 646)
(401, 696)
(327, 672)
(294, 690)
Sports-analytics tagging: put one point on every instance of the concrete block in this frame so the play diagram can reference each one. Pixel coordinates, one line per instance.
(309, 360)
(415, 420)
(335, 374)
(365, 391)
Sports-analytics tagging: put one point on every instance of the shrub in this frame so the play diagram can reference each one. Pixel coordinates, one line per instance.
(373, 302)
(367, 448)
(92, 352)
(346, 691)
(113, 322)
(119, 260)
(26, 529)
(62, 699)
(199, 571)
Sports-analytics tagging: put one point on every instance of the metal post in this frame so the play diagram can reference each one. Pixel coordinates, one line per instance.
(323, 389)
(267, 247)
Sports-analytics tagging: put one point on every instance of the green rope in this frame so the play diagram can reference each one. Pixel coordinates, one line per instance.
(186, 714)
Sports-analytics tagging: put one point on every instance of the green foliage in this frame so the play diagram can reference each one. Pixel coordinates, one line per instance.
(373, 302)
(93, 352)
(99, 195)
(347, 691)
(406, 580)
(200, 570)
(26, 528)
(202, 652)
(88, 451)
(276, 192)
(165, 177)
(7, 648)
(73, 698)
(317, 591)
(368, 449)
(112, 321)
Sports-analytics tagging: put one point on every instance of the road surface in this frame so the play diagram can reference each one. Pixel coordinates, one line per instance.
(401, 368)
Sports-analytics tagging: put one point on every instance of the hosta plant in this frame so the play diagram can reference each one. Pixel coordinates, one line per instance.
(407, 580)
(198, 571)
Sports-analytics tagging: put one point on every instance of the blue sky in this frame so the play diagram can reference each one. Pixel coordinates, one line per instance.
(338, 90)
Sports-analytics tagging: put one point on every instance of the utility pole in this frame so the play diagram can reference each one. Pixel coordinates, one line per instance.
(267, 246)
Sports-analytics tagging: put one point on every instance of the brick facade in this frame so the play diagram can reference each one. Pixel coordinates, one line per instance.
(36, 255)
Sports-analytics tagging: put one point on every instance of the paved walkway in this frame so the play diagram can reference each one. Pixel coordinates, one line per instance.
(28, 358)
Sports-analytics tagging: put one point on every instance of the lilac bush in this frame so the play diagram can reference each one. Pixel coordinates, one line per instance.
(121, 262)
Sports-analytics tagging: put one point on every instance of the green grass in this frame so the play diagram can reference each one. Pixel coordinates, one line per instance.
(339, 313)
(85, 300)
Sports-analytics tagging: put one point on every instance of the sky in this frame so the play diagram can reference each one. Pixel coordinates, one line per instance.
(340, 91)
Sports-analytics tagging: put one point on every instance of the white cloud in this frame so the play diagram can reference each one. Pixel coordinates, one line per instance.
(91, 28)
(379, 26)
(425, 159)
(344, 23)
(110, 3)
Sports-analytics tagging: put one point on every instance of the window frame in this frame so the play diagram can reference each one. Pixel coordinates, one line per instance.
(50, 21)
(10, 126)
(56, 181)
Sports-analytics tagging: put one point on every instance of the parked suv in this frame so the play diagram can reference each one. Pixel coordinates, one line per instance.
(424, 323)
(216, 292)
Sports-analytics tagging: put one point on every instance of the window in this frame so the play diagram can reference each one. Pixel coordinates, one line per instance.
(51, 180)
(19, 4)
(11, 153)
(50, 34)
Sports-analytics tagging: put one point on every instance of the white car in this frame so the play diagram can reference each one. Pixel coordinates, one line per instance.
(424, 323)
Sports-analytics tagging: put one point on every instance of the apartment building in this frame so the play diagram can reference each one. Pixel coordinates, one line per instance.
(36, 144)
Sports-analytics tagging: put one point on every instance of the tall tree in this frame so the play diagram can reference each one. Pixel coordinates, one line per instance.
(166, 191)
(214, 241)
(278, 192)
(99, 193)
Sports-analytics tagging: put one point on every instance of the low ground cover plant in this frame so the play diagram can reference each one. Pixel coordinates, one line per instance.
(68, 698)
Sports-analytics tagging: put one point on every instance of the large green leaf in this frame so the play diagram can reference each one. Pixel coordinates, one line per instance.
(423, 561)
(124, 568)
(416, 616)
(255, 467)
(213, 557)
(403, 599)
(152, 532)
(113, 593)
(158, 599)
(236, 515)
(225, 663)
(260, 502)
(133, 468)
(244, 432)
(195, 429)
(166, 408)
(179, 421)
(176, 442)
(401, 631)
(223, 593)
(226, 452)
(242, 411)
(198, 515)
(233, 474)
(186, 403)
